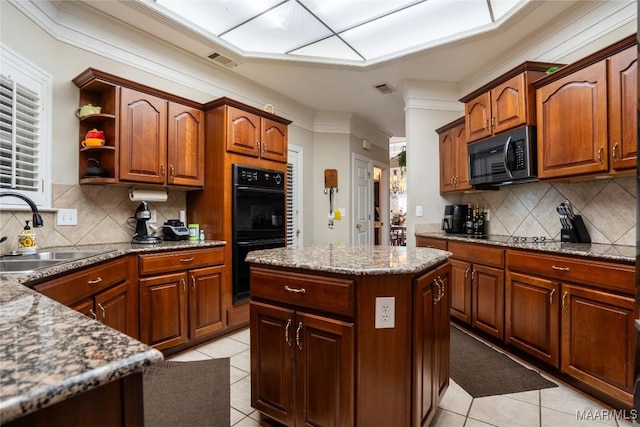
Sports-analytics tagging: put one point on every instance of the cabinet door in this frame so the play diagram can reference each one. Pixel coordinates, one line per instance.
(598, 339)
(243, 132)
(508, 104)
(532, 316)
(185, 145)
(114, 309)
(143, 137)
(274, 141)
(623, 121)
(272, 361)
(163, 310)
(488, 300)
(572, 124)
(447, 161)
(325, 371)
(442, 334)
(462, 159)
(86, 307)
(460, 292)
(205, 301)
(477, 117)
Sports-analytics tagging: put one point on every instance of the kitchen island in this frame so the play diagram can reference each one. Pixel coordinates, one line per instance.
(348, 335)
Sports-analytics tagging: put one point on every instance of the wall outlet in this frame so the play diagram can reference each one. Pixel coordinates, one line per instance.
(67, 217)
(154, 216)
(418, 210)
(385, 312)
(487, 213)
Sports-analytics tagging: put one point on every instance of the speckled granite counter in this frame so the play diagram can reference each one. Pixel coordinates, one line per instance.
(351, 259)
(49, 352)
(593, 250)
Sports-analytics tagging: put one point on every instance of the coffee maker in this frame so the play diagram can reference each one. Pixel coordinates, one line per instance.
(143, 214)
(454, 219)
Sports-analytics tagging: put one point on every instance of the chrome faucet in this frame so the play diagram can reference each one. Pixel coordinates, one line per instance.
(37, 219)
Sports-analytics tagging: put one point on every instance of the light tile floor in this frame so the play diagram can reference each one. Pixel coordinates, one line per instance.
(552, 407)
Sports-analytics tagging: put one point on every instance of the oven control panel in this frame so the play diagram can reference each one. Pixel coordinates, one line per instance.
(258, 177)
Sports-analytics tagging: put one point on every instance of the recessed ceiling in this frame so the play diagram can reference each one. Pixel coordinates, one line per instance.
(354, 32)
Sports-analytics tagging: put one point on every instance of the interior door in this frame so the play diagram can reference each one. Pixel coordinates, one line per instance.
(362, 202)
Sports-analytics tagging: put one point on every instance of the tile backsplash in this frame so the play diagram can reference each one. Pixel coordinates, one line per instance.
(608, 208)
(105, 215)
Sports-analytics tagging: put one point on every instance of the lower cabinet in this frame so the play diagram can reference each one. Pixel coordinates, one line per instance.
(431, 343)
(180, 296)
(304, 366)
(104, 292)
(577, 315)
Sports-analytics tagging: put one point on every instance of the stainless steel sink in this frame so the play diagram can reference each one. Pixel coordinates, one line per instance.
(28, 263)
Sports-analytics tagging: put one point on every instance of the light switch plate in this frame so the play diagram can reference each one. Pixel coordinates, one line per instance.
(418, 210)
(67, 217)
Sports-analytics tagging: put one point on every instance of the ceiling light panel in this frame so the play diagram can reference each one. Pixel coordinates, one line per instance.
(217, 16)
(284, 28)
(417, 27)
(343, 14)
(502, 7)
(332, 49)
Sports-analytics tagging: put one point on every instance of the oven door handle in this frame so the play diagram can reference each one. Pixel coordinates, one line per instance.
(259, 242)
(506, 154)
(260, 189)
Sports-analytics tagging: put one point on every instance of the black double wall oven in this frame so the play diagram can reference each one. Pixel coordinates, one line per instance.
(258, 219)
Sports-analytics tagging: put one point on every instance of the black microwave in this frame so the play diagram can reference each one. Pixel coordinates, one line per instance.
(505, 158)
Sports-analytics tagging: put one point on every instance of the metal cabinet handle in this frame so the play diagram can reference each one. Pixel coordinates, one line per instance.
(493, 122)
(186, 260)
(264, 146)
(287, 339)
(294, 290)
(184, 285)
(94, 281)
(257, 145)
(553, 291)
(193, 282)
(103, 311)
(439, 295)
(555, 267)
(443, 286)
(600, 155)
(615, 152)
(466, 272)
(564, 297)
(473, 274)
(93, 314)
(298, 341)
(172, 171)
(161, 170)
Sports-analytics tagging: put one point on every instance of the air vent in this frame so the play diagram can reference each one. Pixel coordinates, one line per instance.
(222, 60)
(385, 88)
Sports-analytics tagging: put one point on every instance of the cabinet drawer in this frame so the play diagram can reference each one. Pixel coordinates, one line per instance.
(75, 286)
(614, 276)
(179, 260)
(319, 293)
(430, 242)
(482, 254)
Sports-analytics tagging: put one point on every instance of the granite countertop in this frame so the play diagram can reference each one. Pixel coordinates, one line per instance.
(597, 251)
(351, 259)
(49, 352)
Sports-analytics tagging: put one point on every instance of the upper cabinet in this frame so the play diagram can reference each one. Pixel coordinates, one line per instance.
(253, 135)
(151, 137)
(454, 162)
(504, 103)
(586, 115)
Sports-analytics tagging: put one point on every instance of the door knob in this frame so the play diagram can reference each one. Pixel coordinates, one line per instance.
(358, 226)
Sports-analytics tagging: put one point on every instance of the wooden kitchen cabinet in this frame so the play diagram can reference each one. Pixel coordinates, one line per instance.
(454, 162)
(478, 276)
(577, 315)
(180, 296)
(431, 242)
(105, 293)
(161, 142)
(152, 137)
(586, 115)
(505, 103)
(252, 135)
(431, 343)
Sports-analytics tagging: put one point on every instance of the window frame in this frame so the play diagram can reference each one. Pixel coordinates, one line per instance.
(38, 80)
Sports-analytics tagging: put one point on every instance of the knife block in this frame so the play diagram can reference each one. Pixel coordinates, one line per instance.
(577, 234)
